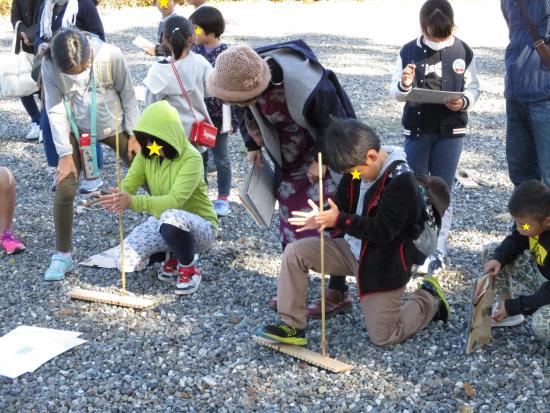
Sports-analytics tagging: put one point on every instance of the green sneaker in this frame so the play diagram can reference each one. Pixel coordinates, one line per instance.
(431, 285)
(284, 334)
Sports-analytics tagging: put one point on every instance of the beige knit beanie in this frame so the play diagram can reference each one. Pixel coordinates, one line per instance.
(240, 74)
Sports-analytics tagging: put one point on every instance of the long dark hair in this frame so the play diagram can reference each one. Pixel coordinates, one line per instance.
(177, 31)
(144, 139)
(70, 49)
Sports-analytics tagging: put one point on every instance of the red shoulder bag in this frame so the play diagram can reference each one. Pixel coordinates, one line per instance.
(202, 133)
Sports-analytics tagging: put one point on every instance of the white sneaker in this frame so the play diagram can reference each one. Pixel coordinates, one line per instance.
(432, 265)
(510, 321)
(89, 185)
(222, 207)
(189, 279)
(40, 137)
(34, 132)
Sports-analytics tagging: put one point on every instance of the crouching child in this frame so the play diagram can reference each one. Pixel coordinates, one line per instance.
(182, 221)
(524, 255)
(374, 218)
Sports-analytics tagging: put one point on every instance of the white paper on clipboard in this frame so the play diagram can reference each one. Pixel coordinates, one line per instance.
(143, 43)
(420, 95)
(226, 118)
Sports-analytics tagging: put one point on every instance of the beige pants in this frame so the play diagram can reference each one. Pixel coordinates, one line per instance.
(386, 320)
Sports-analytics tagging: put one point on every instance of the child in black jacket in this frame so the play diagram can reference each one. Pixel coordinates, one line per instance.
(524, 254)
(167, 9)
(376, 215)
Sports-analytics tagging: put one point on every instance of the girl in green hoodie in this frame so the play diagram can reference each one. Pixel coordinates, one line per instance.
(182, 219)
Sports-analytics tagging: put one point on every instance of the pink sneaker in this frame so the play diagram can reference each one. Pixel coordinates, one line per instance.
(10, 243)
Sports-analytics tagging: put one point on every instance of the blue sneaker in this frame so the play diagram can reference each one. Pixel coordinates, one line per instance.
(61, 264)
(222, 207)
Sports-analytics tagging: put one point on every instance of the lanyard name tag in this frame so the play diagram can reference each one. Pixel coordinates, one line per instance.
(87, 143)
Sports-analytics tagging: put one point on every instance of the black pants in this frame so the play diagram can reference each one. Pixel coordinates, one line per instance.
(180, 243)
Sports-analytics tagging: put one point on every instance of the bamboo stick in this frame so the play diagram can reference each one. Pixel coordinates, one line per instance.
(322, 237)
(120, 223)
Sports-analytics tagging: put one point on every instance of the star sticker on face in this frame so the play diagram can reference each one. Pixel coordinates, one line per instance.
(154, 149)
(526, 227)
(356, 174)
(163, 4)
(198, 30)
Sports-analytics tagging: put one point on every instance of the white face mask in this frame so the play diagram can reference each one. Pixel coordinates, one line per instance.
(81, 78)
(437, 46)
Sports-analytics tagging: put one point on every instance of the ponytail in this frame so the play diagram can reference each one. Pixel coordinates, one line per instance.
(70, 49)
(177, 31)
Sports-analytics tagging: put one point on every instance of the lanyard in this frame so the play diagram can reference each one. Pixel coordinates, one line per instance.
(93, 122)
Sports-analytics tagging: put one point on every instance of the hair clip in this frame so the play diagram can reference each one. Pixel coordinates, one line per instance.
(175, 30)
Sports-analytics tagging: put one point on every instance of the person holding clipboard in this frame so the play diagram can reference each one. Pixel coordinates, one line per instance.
(434, 131)
(289, 99)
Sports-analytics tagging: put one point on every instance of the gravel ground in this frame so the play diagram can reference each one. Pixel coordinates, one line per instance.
(196, 353)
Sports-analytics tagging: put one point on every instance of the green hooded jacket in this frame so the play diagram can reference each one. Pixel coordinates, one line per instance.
(173, 184)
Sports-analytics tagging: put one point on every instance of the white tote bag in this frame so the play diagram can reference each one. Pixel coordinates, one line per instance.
(15, 73)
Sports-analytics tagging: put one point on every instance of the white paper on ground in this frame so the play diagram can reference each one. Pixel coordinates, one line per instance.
(105, 259)
(143, 43)
(26, 348)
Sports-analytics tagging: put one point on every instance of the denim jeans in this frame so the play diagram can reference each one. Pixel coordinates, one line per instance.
(29, 103)
(223, 164)
(434, 155)
(528, 141)
(431, 154)
(49, 146)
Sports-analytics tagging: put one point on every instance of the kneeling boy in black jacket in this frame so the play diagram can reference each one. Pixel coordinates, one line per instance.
(524, 255)
(376, 215)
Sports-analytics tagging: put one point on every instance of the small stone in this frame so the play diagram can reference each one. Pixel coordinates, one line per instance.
(538, 373)
(209, 381)
(322, 390)
(469, 390)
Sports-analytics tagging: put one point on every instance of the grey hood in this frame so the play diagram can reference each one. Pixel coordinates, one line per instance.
(395, 153)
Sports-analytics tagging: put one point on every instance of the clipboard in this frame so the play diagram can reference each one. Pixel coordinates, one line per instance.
(479, 323)
(258, 193)
(420, 95)
(142, 43)
(226, 118)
